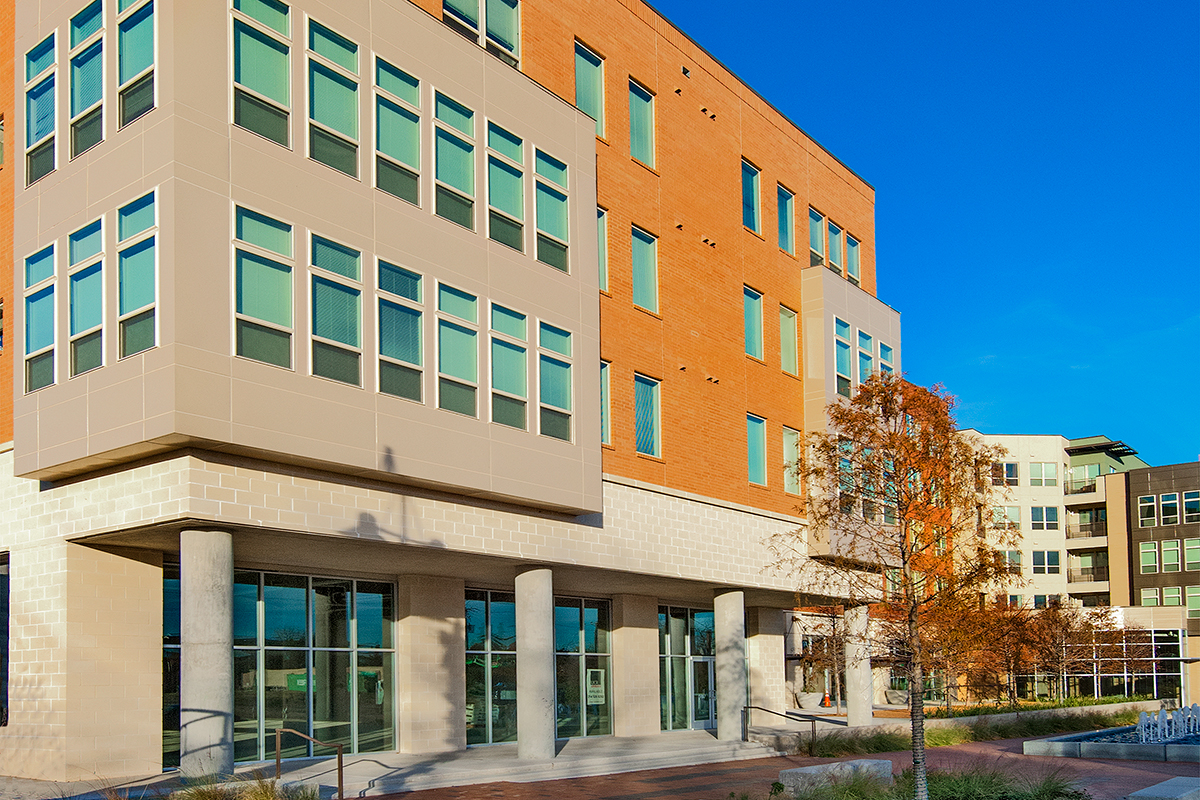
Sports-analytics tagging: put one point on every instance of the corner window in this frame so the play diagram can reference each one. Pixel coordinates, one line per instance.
(589, 85)
(646, 418)
(497, 28)
(401, 310)
(87, 79)
(645, 269)
(751, 214)
(1148, 557)
(841, 344)
(753, 321)
(787, 220)
(40, 324)
(454, 157)
(506, 188)
(641, 124)
(397, 132)
(458, 350)
(789, 359)
(332, 99)
(551, 209)
(135, 62)
(261, 71)
(39, 110)
(1147, 511)
(137, 271)
(263, 308)
(554, 382)
(756, 449)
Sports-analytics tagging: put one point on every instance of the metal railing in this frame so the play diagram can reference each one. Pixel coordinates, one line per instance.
(1087, 574)
(279, 732)
(790, 715)
(1080, 485)
(1079, 530)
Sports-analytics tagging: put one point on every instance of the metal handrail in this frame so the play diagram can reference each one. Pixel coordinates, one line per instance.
(792, 715)
(279, 760)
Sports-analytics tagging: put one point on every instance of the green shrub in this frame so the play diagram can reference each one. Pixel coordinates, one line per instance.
(970, 784)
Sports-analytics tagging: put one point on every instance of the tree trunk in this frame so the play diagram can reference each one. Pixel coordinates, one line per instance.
(916, 704)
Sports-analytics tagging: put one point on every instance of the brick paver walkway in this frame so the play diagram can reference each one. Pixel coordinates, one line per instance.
(1103, 779)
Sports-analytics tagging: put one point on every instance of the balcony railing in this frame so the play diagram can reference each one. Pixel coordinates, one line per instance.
(1078, 530)
(1087, 574)
(1080, 485)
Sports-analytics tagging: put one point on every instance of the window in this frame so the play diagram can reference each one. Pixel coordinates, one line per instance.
(816, 238)
(87, 79)
(582, 686)
(835, 248)
(137, 269)
(756, 449)
(866, 357)
(791, 455)
(554, 382)
(1012, 559)
(602, 246)
(336, 311)
(641, 124)
(264, 288)
(454, 155)
(39, 110)
(401, 309)
(841, 343)
(1170, 556)
(853, 269)
(261, 71)
(506, 188)
(39, 319)
(646, 419)
(752, 321)
(1191, 507)
(1148, 557)
(1045, 518)
(1169, 509)
(1191, 554)
(787, 220)
(1004, 474)
(491, 669)
(645, 270)
(500, 29)
(1045, 562)
(887, 364)
(332, 99)
(458, 350)
(1172, 595)
(1193, 602)
(551, 208)
(789, 359)
(589, 85)
(509, 367)
(1149, 597)
(1007, 517)
(397, 132)
(751, 214)
(1043, 473)
(1147, 512)
(135, 61)
(605, 406)
(1040, 601)
(85, 279)
(1014, 600)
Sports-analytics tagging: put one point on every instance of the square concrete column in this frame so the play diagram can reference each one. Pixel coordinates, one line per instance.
(535, 664)
(635, 665)
(206, 653)
(431, 664)
(860, 690)
(765, 628)
(729, 624)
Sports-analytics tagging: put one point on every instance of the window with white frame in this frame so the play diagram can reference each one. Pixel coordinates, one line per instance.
(1044, 518)
(842, 363)
(1193, 602)
(816, 238)
(1046, 562)
(645, 269)
(40, 74)
(791, 457)
(332, 99)
(1170, 555)
(1043, 473)
(1191, 554)
(789, 359)
(510, 367)
(336, 300)
(866, 356)
(263, 280)
(493, 24)
(137, 276)
(589, 85)
(85, 279)
(506, 187)
(454, 156)
(458, 350)
(1148, 557)
(1191, 507)
(551, 209)
(135, 60)
(1168, 509)
(554, 381)
(397, 132)
(1172, 595)
(1007, 517)
(1012, 561)
(261, 68)
(646, 417)
(786, 218)
(751, 213)
(605, 406)
(602, 246)
(887, 359)
(1149, 597)
(853, 267)
(401, 352)
(39, 319)
(1005, 473)
(87, 78)
(835, 248)
(641, 123)
(752, 321)
(1147, 511)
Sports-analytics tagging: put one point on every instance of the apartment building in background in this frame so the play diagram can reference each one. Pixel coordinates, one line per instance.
(395, 371)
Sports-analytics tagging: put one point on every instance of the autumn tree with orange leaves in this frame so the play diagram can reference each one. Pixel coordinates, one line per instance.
(899, 502)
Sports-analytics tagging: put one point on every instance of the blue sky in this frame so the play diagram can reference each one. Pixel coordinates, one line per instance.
(1037, 177)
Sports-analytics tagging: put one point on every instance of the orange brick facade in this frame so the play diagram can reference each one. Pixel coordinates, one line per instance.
(9, 140)
(706, 122)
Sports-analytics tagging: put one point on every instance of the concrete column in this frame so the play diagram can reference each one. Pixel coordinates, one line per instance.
(860, 691)
(535, 664)
(206, 656)
(431, 664)
(729, 624)
(765, 628)
(635, 665)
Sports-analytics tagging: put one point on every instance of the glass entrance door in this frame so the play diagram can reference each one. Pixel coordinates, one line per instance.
(704, 693)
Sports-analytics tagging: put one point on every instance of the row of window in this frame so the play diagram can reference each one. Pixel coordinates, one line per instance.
(1041, 518)
(846, 344)
(1041, 473)
(77, 266)
(1175, 596)
(1045, 562)
(467, 331)
(1039, 600)
(1151, 562)
(1164, 509)
(517, 181)
(78, 60)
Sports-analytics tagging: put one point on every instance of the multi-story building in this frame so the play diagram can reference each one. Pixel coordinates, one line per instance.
(335, 408)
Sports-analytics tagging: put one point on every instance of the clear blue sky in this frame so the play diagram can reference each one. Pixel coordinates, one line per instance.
(1037, 178)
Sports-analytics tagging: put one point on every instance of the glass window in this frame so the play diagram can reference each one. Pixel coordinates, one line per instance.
(789, 359)
(835, 248)
(791, 456)
(1044, 518)
(137, 270)
(332, 99)
(602, 246)
(1147, 511)
(87, 92)
(454, 158)
(39, 319)
(261, 77)
(397, 132)
(1148, 557)
(400, 336)
(841, 333)
(753, 322)
(1172, 595)
(1005, 474)
(589, 85)
(645, 270)
(751, 215)
(1193, 602)
(1043, 473)
(787, 220)
(1191, 507)
(605, 403)
(866, 356)
(39, 110)
(853, 268)
(756, 449)
(491, 695)
(501, 25)
(271, 13)
(646, 418)
(583, 694)
(1170, 556)
(135, 63)
(1191, 554)
(1046, 562)
(887, 364)
(551, 207)
(816, 237)
(641, 124)
(506, 188)
(263, 290)
(1169, 508)
(554, 378)
(458, 351)
(509, 367)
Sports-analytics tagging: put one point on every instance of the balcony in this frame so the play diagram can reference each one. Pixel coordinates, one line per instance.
(1080, 485)
(1080, 530)
(1087, 574)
